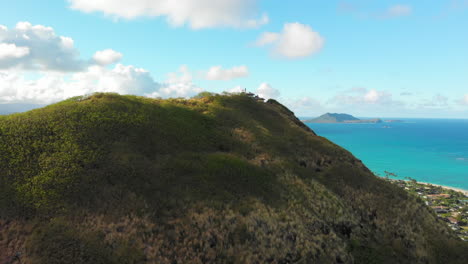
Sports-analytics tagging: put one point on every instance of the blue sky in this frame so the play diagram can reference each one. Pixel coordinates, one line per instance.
(364, 57)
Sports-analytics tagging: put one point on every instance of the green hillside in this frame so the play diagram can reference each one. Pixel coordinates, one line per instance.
(214, 179)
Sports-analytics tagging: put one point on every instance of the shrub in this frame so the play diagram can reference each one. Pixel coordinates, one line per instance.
(60, 242)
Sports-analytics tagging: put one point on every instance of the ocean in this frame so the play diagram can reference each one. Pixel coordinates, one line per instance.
(428, 150)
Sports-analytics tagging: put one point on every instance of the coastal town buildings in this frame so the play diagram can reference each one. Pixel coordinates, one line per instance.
(450, 205)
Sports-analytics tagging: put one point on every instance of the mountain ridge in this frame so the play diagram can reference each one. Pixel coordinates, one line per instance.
(217, 179)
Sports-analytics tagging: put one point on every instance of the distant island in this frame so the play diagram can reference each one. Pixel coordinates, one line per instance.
(346, 118)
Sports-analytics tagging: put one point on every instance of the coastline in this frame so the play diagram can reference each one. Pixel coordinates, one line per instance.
(465, 192)
(448, 203)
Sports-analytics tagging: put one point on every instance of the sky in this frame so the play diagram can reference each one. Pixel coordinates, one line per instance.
(369, 58)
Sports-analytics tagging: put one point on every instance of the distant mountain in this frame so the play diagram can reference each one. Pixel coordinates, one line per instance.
(340, 118)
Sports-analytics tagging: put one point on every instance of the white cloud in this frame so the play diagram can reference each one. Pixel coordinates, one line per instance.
(398, 11)
(237, 89)
(267, 38)
(438, 101)
(37, 48)
(107, 56)
(52, 87)
(305, 106)
(195, 13)
(363, 96)
(218, 73)
(123, 79)
(377, 103)
(15, 88)
(177, 85)
(465, 99)
(373, 96)
(266, 91)
(39, 67)
(295, 41)
(406, 94)
(11, 51)
(67, 43)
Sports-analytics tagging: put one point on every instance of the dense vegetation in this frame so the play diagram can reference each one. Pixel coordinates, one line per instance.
(215, 179)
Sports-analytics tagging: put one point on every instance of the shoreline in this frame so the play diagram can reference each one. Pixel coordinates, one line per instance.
(465, 192)
(448, 203)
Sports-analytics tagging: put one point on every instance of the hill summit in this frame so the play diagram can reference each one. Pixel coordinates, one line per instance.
(215, 179)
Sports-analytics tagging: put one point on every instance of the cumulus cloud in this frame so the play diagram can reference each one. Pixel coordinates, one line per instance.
(305, 106)
(39, 67)
(295, 41)
(37, 48)
(11, 51)
(122, 79)
(177, 85)
(267, 38)
(107, 56)
(464, 100)
(218, 73)
(373, 96)
(236, 89)
(52, 87)
(363, 96)
(266, 91)
(437, 101)
(59, 73)
(440, 100)
(195, 13)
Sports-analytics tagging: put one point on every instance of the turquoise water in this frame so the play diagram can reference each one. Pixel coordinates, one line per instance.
(428, 150)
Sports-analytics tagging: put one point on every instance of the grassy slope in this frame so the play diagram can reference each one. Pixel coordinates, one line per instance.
(222, 179)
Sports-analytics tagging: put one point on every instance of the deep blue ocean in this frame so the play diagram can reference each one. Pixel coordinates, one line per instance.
(428, 150)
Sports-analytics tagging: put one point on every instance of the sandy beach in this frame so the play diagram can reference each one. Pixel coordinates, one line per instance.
(465, 192)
